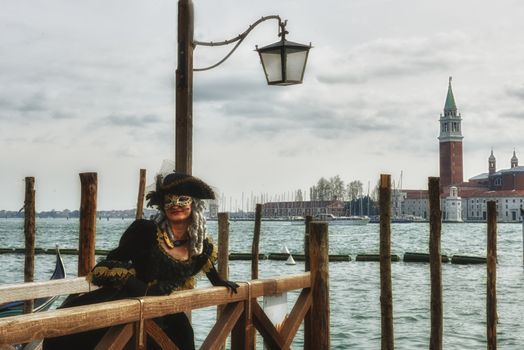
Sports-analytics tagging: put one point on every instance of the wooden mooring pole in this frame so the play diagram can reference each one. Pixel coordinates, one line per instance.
(435, 263)
(319, 264)
(223, 255)
(86, 243)
(307, 319)
(386, 293)
(223, 245)
(29, 232)
(491, 292)
(141, 190)
(256, 242)
(255, 247)
(522, 218)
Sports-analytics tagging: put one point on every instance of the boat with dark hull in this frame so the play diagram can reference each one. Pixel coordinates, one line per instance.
(41, 304)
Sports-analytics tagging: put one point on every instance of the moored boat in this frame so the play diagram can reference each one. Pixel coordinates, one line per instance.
(41, 304)
(343, 220)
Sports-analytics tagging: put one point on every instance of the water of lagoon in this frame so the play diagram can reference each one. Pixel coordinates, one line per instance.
(354, 286)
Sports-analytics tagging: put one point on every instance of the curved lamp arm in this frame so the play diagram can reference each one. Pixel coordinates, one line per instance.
(238, 38)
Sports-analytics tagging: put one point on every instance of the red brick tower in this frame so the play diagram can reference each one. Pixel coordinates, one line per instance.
(450, 140)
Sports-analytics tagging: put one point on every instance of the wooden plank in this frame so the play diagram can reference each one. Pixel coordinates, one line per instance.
(200, 298)
(293, 322)
(26, 328)
(18, 329)
(266, 328)
(33, 290)
(491, 286)
(435, 264)
(218, 334)
(159, 336)
(116, 338)
(240, 339)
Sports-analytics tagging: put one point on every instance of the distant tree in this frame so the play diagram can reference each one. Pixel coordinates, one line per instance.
(323, 189)
(354, 189)
(337, 187)
(298, 196)
(375, 191)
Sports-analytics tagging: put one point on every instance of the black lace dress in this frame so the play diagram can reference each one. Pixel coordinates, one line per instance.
(140, 266)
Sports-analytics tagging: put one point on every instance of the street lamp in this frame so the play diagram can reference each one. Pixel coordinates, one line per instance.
(284, 63)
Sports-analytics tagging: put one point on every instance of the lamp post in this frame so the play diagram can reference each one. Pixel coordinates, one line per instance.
(184, 89)
(283, 62)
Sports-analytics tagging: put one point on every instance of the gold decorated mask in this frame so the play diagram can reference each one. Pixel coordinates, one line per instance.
(172, 200)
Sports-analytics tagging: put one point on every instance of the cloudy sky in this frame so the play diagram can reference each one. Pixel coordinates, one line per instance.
(88, 86)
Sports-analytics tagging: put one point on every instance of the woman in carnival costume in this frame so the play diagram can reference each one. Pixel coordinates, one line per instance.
(155, 257)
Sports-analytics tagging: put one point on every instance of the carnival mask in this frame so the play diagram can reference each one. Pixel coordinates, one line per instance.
(173, 200)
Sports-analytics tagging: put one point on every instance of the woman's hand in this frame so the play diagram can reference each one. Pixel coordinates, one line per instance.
(232, 286)
(216, 280)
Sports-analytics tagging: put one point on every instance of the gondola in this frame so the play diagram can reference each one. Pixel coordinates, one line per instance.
(41, 304)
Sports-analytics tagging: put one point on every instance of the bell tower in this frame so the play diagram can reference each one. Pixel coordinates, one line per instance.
(514, 160)
(492, 164)
(450, 143)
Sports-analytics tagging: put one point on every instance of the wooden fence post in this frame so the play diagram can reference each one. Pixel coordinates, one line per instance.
(386, 294)
(86, 246)
(141, 190)
(307, 319)
(29, 232)
(319, 265)
(491, 292)
(435, 263)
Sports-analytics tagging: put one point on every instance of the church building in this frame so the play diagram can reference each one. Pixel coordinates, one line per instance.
(467, 201)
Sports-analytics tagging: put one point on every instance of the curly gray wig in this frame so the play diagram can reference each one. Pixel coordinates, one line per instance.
(197, 230)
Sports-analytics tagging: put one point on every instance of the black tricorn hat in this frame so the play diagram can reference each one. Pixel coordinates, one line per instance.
(179, 184)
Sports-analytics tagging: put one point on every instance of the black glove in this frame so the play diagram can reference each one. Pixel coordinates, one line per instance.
(133, 287)
(232, 286)
(216, 280)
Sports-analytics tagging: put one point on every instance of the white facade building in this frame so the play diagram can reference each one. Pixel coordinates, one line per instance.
(453, 206)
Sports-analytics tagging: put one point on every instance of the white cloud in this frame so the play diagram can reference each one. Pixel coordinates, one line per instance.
(89, 87)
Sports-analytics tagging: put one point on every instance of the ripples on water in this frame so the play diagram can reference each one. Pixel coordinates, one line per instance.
(354, 286)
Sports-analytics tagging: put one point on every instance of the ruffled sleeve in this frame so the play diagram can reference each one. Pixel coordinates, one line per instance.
(111, 273)
(118, 266)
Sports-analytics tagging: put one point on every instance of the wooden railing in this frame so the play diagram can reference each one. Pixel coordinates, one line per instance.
(241, 309)
(130, 320)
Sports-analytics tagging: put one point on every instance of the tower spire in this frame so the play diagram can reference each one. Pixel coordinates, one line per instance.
(514, 160)
(450, 105)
